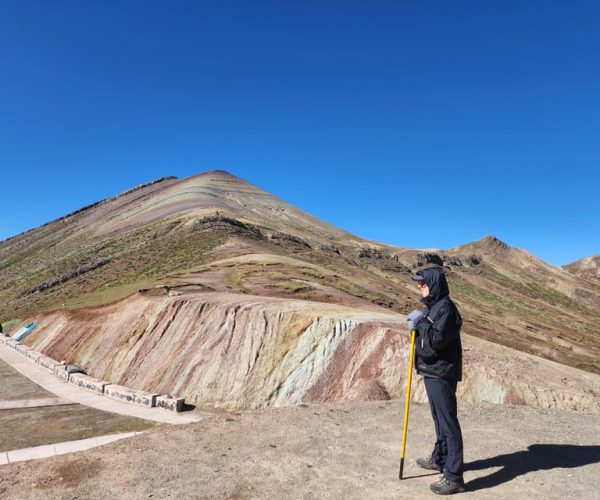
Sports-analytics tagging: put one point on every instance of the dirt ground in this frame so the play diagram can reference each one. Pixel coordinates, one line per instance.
(15, 386)
(22, 428)
(330, 451)
(27, 427)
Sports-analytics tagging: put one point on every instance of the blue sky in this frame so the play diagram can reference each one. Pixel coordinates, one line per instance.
(417, 124)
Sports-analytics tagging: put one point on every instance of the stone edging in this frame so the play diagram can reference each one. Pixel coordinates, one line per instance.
(76, 376)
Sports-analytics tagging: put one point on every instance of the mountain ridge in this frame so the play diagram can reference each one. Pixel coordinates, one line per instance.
(489, 241)
(587, 267)
(216, 232)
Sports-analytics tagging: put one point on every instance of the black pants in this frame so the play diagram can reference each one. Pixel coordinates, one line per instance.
(448, 449)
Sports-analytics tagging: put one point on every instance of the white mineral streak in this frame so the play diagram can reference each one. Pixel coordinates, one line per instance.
(303, 365)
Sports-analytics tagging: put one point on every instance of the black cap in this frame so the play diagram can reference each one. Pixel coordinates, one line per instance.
(417, 277)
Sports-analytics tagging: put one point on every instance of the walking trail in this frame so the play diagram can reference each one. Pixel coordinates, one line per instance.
(64, 390)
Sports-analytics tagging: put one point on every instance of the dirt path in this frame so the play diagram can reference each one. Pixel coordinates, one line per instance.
(343, 450)
(38, 376)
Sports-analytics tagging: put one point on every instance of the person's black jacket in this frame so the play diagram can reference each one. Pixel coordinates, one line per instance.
(438, 350)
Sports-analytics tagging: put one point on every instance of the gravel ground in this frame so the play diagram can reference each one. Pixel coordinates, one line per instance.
(331, 451)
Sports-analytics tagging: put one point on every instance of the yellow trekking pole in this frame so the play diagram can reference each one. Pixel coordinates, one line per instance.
(407, 403)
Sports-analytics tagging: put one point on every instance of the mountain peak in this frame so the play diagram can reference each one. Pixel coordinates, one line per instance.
(217, 173)
(487, 244)
(490, 241)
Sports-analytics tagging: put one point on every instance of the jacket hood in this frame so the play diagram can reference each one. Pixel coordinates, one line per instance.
(436, 281)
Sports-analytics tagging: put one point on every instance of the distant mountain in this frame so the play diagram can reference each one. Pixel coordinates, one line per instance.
(588, 267)
(216, 233)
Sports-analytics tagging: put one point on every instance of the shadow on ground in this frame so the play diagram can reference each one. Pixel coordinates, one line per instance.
(535, 457)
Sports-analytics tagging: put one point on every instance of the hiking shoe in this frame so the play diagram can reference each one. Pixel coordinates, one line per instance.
(447, 487)
(427, 463)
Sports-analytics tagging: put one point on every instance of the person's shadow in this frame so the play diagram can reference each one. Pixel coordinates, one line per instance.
(535, 457)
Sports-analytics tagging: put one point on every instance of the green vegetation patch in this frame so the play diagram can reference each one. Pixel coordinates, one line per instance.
(554, 297)
(356, 290)
(8, 326)
(467, 293)
(140, 258)
(290, 286)
(235, 282)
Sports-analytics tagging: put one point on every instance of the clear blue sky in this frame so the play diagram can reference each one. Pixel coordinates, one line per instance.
(418, 124)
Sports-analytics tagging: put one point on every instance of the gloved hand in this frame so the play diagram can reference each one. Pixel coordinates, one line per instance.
(412, 319)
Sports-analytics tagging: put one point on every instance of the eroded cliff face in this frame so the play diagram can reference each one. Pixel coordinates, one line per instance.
(238, 351)
(228, 350)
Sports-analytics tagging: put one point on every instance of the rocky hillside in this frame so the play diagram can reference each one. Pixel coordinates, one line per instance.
(588, 268)
(529, 304)
(239, 351)
(217, 243)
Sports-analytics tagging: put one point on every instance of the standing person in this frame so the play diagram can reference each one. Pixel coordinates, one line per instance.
(438, 358)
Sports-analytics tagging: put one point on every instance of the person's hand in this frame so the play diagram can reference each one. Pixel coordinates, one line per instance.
(412, 319)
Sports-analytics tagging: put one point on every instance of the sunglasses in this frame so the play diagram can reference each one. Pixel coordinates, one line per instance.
(421, 284)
